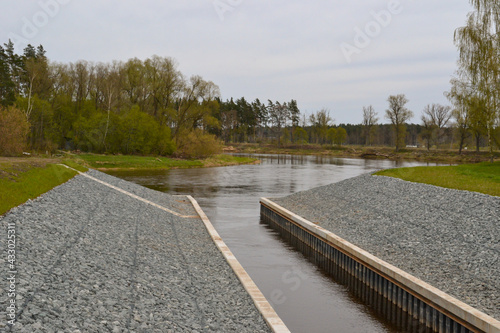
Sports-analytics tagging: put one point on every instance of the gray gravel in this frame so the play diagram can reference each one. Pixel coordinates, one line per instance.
(447, 238)
(91, 259)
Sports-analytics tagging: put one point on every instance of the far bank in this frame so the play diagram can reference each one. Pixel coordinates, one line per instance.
(368, 152)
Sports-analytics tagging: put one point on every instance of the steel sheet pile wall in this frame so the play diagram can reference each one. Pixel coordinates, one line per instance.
(387, 297)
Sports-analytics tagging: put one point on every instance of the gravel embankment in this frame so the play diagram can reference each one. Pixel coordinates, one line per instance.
(91, 259)
(447, 238)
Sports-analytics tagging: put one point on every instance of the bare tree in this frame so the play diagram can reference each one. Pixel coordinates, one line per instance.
(398, 114)
(370, 119)
(435, 118)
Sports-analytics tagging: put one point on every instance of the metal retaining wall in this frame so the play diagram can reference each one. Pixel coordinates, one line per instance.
(396, 301)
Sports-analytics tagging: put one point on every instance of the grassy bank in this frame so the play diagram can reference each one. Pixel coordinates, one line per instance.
(481, 177)
(27, 178)
(119, 162)
(23, 179)
(411, 154)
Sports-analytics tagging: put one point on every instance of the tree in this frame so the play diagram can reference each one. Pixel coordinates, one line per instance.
(429, 131)
(332, 134)
(278, 116)
(163, 81)
(15, 64)
(261, 115)
(435, 117)
(300, 135)
(294, 116)
(247, 118)
(14, 128)
(7, 86)
(194, 104)
(228, 122)
(369, 121)
(141, 131)
(320, 121)
(479, 59)
(398, 114)
(460, 96)
(462, 127)
(107, 91)
(478, 119)
(341, 136)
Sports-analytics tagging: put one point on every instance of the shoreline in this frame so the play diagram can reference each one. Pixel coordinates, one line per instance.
(365, 152)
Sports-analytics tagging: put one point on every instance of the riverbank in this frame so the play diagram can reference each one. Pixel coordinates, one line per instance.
(132, 162)
(410, 154)
(95, 258)
(481, 177)
(24, 178)
(447, 238)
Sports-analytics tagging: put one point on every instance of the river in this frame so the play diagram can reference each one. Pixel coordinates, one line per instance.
(302, 294)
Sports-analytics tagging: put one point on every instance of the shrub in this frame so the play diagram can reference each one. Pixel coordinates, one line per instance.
(198, 144)
(14, 129)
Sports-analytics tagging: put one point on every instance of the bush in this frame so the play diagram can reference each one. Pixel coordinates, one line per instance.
(14, 129)
(198, 144)
(166, 145)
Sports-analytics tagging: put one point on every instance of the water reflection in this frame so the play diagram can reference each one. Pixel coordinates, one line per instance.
(305, 298)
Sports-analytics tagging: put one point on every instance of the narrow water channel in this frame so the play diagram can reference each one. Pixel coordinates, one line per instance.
(303, 295)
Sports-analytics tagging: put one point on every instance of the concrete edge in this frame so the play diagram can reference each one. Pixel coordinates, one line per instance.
(270, 316)
(454, 306)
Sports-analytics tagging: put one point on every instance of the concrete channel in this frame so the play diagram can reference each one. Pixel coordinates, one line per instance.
(403, 299)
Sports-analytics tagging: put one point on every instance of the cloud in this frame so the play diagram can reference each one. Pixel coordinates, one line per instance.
(279, 49)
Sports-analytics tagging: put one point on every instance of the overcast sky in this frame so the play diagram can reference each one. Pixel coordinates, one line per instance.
(338, 55)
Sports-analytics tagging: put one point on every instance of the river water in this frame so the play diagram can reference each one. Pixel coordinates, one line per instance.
(301, 293)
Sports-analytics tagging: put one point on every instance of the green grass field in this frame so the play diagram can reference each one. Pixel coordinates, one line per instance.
(20, 182)
(480, 177)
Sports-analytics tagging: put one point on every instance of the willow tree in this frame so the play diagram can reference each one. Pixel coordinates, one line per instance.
(479, 62)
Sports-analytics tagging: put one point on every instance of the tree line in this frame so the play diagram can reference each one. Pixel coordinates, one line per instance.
(137, 106)
(150, 107)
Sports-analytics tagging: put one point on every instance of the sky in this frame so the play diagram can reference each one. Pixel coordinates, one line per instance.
(334, 55)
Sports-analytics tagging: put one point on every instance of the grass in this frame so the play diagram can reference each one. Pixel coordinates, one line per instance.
(481, 177)
(20, 181)
(118, 162)
(27, 178)
(74, 165)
